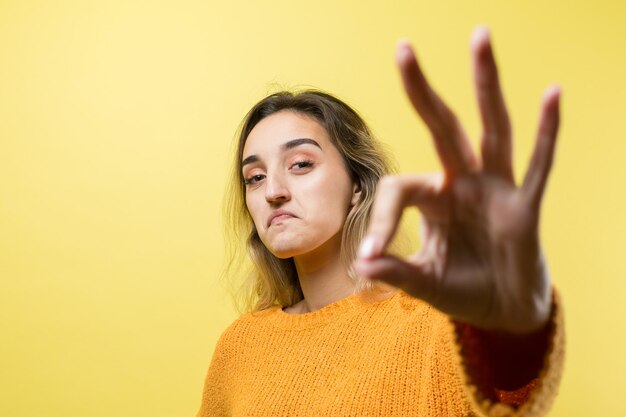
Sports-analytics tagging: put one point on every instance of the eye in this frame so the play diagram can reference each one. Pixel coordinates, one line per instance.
(253, 179)
(301, 165)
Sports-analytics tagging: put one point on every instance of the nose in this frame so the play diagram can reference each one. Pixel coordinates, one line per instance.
(276, 190)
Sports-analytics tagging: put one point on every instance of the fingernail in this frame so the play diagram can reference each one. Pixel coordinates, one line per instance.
(480, 35)
(403, 50)
(481, 32)
(554, 89)
(366, 250)
(403, 43)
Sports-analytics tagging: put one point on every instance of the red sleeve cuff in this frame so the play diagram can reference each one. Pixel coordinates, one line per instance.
(504, 367)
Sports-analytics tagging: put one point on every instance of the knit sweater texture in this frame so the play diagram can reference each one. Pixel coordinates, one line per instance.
(361, 356)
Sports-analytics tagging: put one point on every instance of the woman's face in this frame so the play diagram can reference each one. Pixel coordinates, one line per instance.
(298, 190)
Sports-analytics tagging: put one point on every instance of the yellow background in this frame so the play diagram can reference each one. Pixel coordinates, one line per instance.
(116, 119)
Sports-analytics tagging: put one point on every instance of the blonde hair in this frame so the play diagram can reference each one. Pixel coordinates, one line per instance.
(269, 280)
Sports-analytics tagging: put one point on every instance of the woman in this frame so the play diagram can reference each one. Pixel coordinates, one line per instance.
(475, 328)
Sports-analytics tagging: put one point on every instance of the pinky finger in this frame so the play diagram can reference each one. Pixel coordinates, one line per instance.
(543, 155)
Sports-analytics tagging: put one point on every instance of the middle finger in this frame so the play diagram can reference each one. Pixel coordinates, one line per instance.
(496, 141)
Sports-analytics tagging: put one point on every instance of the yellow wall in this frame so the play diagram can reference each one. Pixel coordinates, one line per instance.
(115, 126)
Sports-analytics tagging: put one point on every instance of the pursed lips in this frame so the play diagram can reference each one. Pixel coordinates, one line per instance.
(279, 215)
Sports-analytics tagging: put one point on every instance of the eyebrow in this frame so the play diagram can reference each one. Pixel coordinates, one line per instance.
(284, 147)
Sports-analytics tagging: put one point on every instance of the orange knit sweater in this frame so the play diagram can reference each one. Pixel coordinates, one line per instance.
(359, 357)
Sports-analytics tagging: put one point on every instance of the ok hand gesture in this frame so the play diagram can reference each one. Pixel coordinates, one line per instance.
(481, 260)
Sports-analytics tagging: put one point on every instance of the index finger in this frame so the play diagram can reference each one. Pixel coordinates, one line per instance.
(393, 195)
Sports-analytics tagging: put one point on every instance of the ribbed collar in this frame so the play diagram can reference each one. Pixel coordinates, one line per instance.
(352, 304)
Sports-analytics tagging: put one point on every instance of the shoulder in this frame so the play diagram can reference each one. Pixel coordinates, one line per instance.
(401, 312)
(243, 329)
(415, 307)
(419, 317)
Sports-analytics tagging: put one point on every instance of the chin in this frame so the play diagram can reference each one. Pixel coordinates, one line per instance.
(288, 245)
(283, 255)
(285, 252)
(288, 248)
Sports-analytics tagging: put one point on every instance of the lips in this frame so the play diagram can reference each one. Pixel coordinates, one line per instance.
(279, 215)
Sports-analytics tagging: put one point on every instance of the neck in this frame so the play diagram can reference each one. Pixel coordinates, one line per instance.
(323, 276)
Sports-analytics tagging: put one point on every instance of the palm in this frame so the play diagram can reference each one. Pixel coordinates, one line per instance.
(487, 229)
(480, 259)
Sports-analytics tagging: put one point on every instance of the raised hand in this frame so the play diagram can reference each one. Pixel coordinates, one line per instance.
(481, 260)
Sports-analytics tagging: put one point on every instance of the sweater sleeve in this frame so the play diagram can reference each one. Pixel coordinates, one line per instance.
(523, 381)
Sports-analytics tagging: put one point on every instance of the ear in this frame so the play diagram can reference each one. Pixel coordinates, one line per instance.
(356, 194)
